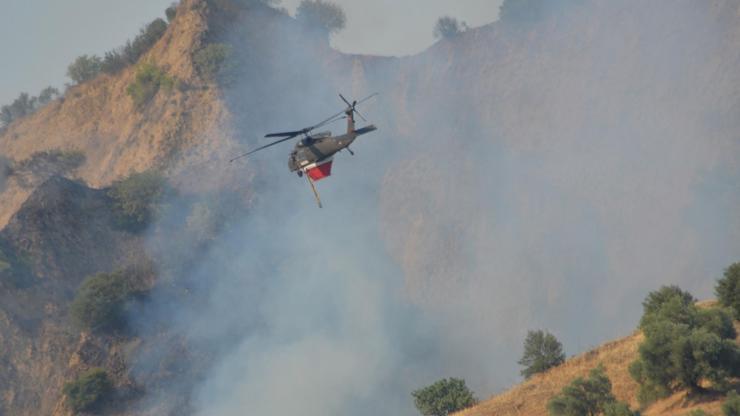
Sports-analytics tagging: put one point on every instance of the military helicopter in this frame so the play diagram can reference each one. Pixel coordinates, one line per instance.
(313, 155)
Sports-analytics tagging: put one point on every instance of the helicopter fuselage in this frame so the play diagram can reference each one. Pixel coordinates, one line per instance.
(317, 149)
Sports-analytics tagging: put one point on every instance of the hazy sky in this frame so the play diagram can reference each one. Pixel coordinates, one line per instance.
(39, 38)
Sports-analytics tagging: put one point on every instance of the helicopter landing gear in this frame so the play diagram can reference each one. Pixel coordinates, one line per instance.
(300, 173)
(350, 151)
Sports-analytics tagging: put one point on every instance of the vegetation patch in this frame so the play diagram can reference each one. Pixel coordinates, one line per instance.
(26, 105)
(731, 406)
(149, 79)
(137, 199)
(448, 27)
(100, 303)
(591, 396)
(684, 347)
(443, 397)
(321, 16)
(542, 351)
(213, 62)
(728, 289)
(88, 391)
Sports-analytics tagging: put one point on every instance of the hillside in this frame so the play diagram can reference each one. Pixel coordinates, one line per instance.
(542, 174)
(531, 396)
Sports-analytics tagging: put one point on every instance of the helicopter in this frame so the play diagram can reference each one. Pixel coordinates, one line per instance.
(313, 155)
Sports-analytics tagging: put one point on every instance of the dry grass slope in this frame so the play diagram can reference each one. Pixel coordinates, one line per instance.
(530, 398)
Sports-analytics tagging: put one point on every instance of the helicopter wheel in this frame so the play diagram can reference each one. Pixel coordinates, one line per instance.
(300, 173)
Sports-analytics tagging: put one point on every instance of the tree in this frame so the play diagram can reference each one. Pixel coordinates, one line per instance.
(88, 390)
(171, 12)
(137, 197)
(448, 27)
(583, 397)
(47, 95)
(728, 289)
(84, 68)
(542, 351)
(731, 406)
(324, 16)
(443, 397)
(683, 345)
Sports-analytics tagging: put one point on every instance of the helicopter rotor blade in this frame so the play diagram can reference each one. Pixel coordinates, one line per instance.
(285, 134)
(263, 147)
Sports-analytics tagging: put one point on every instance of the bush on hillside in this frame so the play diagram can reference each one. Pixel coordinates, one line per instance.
(323, 16)
(582, 396)
(731, 406)
(171, 12)
(698, 412)
(88, 391)
(448, 27)
(542, 351)
(443, 397)
(728, 289)
(683, 346)
(99, 303)
(84, 68)
(26, 105)
(128, 54)
(213, 61)
(619, 409)
(137, 198)
(149, 79)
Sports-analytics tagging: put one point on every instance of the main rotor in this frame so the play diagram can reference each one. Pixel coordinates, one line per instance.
(288, 135)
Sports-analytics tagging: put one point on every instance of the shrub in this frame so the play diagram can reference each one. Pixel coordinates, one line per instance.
(171, 12)
(583, 396)
(136, 198)
(213, 61)
(88, 391)
(619, 409)
(324, 16)
(113, 62)
(728, 289)
(47, 95)
(99, 303)
(84, 68)
(698, 412)
(443, 397)
(149, 79)
(541, 352)
(448, 27)
(731, 406)
(147, 37)
(668, 303)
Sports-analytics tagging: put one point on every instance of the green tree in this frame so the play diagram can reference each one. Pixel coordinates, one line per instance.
(47, 95)
(731, 406)
(136, 198)
(171, 12)
(84, 68)
(323, 16)
(698, 412)
(728, 289)
(443, 397)
(683, 346)
(88, 391)
(448, 27)
(583, 397)
(542, 351)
